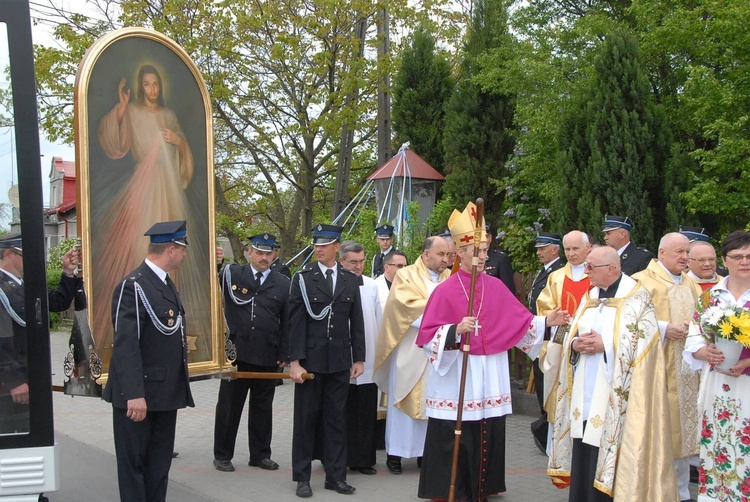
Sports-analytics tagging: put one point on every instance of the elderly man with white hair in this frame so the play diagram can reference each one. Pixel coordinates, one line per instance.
(674, 295)
(702, 264)
(608, 434)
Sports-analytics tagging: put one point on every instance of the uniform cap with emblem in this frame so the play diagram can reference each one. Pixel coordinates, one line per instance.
(695, 233)
(263, 242)
(463, 225)
(446, 233)
(326, 234)
(612, 222)
(168, 231)
(544, 239)
(11, 241)
(384, 231)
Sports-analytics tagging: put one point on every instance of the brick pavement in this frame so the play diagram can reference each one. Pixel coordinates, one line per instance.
(86, 423)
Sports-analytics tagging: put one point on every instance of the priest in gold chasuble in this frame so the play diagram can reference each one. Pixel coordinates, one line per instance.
(608, 434)
(674, 295)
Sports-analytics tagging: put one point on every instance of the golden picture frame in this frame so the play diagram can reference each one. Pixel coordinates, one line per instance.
(144, 154)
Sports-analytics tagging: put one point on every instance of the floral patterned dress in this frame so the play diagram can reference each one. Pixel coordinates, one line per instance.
(724, 472)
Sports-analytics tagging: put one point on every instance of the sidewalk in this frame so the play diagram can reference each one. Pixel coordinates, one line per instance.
(84, 433)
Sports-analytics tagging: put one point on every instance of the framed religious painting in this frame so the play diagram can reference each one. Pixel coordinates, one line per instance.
(144, 154)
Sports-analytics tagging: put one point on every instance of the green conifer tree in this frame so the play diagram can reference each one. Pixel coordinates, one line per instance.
(614, 149)
(479, 130)
(421, 88)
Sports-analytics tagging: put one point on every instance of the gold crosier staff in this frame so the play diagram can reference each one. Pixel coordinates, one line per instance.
(465, 345)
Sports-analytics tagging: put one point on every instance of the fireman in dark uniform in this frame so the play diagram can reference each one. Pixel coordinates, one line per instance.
(326, 338)
(256, 299)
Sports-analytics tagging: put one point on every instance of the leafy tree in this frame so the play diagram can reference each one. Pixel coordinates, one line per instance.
(479, 129)
(278, 73)
(613, 148)
(717, 100)
(421, 87)
(55, 254)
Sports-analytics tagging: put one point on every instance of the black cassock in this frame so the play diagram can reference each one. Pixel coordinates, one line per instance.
(481, 460)
(361, 419)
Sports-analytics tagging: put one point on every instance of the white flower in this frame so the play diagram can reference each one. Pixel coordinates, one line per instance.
(712, 315)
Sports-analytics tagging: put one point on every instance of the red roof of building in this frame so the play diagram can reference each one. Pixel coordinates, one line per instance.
(64, 166)
(417, 167)
(69, 197)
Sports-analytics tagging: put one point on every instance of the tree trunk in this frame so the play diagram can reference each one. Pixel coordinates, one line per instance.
(384, 93)
(341, 193)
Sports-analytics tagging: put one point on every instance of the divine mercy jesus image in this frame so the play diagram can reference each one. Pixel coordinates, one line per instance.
(150, 131)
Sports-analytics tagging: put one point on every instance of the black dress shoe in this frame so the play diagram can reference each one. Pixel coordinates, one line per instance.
(303, 489)
(393, 463)
(365, 470)
(341, 487)
(264, 463)
(223, 465)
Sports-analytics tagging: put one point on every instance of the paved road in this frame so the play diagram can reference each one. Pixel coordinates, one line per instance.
(84, 434)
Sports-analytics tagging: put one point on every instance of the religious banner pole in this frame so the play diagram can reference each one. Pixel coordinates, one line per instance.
(465, 345)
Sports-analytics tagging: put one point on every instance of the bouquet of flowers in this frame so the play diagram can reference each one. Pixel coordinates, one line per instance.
(723, 320)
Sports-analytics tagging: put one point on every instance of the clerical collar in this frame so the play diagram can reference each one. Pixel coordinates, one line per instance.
(577, 272)
(157, 270)
(712, 279)
(433, 275)
(611, 290)
(619, 251)
(677, 279)
(17, 279)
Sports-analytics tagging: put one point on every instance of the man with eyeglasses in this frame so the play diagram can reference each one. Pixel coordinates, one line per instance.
(699, 234)
(394, 262)
(14, 387)
(497, 322)
(362, 402)
(702, 265)
(565, 288)
(609, 438)
(674, 295)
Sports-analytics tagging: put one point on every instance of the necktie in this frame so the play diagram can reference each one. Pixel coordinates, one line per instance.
(171, 286)
(258, 277)
(329, 280)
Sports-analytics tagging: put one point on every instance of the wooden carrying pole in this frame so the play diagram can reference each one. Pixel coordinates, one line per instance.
(465, 348)
(263, 375)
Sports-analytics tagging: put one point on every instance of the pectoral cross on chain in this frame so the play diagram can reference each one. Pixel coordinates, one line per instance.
(476, 329)
(603, 303)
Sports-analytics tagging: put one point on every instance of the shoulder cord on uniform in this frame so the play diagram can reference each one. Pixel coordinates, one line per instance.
(228, 280)
(323, 313)
(12, 313)
(165, 330)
